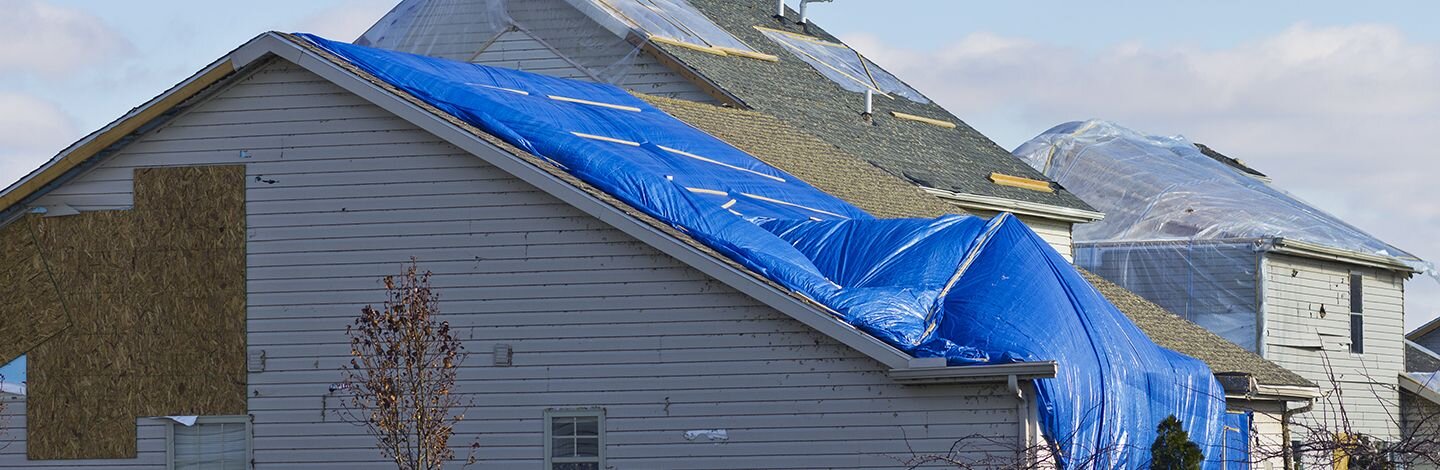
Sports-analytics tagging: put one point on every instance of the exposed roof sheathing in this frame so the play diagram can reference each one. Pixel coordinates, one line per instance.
(959, 159)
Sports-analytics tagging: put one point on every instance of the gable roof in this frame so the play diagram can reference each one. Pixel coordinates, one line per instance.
(851, 178)
(523, 165)
(959, 159)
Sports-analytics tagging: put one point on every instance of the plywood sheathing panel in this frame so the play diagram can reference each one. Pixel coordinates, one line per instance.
(31, 311)
(156, 313)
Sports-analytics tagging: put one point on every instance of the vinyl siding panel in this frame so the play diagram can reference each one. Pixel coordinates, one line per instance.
(342, 195)
(1296, 289)
(1054, 232)
(1267, 432)
(1421, 419)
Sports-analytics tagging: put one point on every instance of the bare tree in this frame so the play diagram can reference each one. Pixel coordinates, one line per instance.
(1324, 439)
(401, 376)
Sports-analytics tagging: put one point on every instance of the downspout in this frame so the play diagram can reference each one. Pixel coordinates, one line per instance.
(1289, 457)
(1023, 416)
(1262, 330)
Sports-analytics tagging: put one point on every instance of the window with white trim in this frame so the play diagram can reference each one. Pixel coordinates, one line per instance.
(575, 439)
(212, 442)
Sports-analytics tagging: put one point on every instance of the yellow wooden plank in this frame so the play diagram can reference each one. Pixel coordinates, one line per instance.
(930, 121)
(1021, 182)
(750, 54)
(84, 152)
(693, 47)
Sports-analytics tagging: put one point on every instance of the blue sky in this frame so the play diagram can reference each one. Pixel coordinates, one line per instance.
(1336, 100)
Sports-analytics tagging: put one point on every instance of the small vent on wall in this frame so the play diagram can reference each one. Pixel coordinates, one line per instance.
(504, 355)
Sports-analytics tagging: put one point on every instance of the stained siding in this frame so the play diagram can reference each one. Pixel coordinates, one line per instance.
(1295, 290)
(340, 193)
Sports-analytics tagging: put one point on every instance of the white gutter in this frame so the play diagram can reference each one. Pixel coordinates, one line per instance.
(934, 371)
(1287, 391)
(1409, 384)
(1000, 204)
(1312, 250)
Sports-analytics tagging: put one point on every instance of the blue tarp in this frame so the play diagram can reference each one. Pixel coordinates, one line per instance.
(964, 288)
(1237, 440)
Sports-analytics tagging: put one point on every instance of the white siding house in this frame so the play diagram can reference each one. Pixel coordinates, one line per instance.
(604, 313)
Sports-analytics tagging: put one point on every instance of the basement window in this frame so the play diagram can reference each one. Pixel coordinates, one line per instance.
(1357, 320)
(842, 65)
(211, 442)
(677, 22)
(575, 439)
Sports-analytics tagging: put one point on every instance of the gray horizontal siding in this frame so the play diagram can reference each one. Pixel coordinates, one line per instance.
(595, 317)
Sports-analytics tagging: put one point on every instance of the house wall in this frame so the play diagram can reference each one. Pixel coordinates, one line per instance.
(1420, 419)
(1317, 346)
(340, 193)
(1054, 232)
(1267, 431)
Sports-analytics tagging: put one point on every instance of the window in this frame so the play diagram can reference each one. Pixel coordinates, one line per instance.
(212, 442)
(1357, 321)
(575, 439)
(842, 65)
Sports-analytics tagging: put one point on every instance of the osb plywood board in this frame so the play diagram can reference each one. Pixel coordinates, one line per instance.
(151, 303)
(31, 312)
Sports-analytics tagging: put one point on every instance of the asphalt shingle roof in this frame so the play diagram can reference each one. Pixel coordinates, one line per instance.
(881, 194)
(1420, 360)
(959, 159)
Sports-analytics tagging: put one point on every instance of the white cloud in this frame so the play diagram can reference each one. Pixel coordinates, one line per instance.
(1342, 116)
(346, 22)
(31, 131)
(53, 41)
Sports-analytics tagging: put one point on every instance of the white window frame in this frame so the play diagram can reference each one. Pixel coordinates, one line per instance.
(242, 419)
(597, 413)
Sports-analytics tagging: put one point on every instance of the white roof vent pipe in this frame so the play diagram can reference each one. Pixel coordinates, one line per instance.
(779, 8)
(804, 4)
(869, 102)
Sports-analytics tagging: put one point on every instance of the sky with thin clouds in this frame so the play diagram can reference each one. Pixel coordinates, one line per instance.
(1337, 101)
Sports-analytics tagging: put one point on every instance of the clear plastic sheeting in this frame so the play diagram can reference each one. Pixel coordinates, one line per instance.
(1210, 283)
(450, 29)
(673, 19)
(1181, 228)
(595, 40)
(842, 65)
(963, 288)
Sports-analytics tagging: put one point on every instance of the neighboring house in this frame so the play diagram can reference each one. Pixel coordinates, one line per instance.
(742, 54)
(1427, 335)
(1209, 238)
(250, 210)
